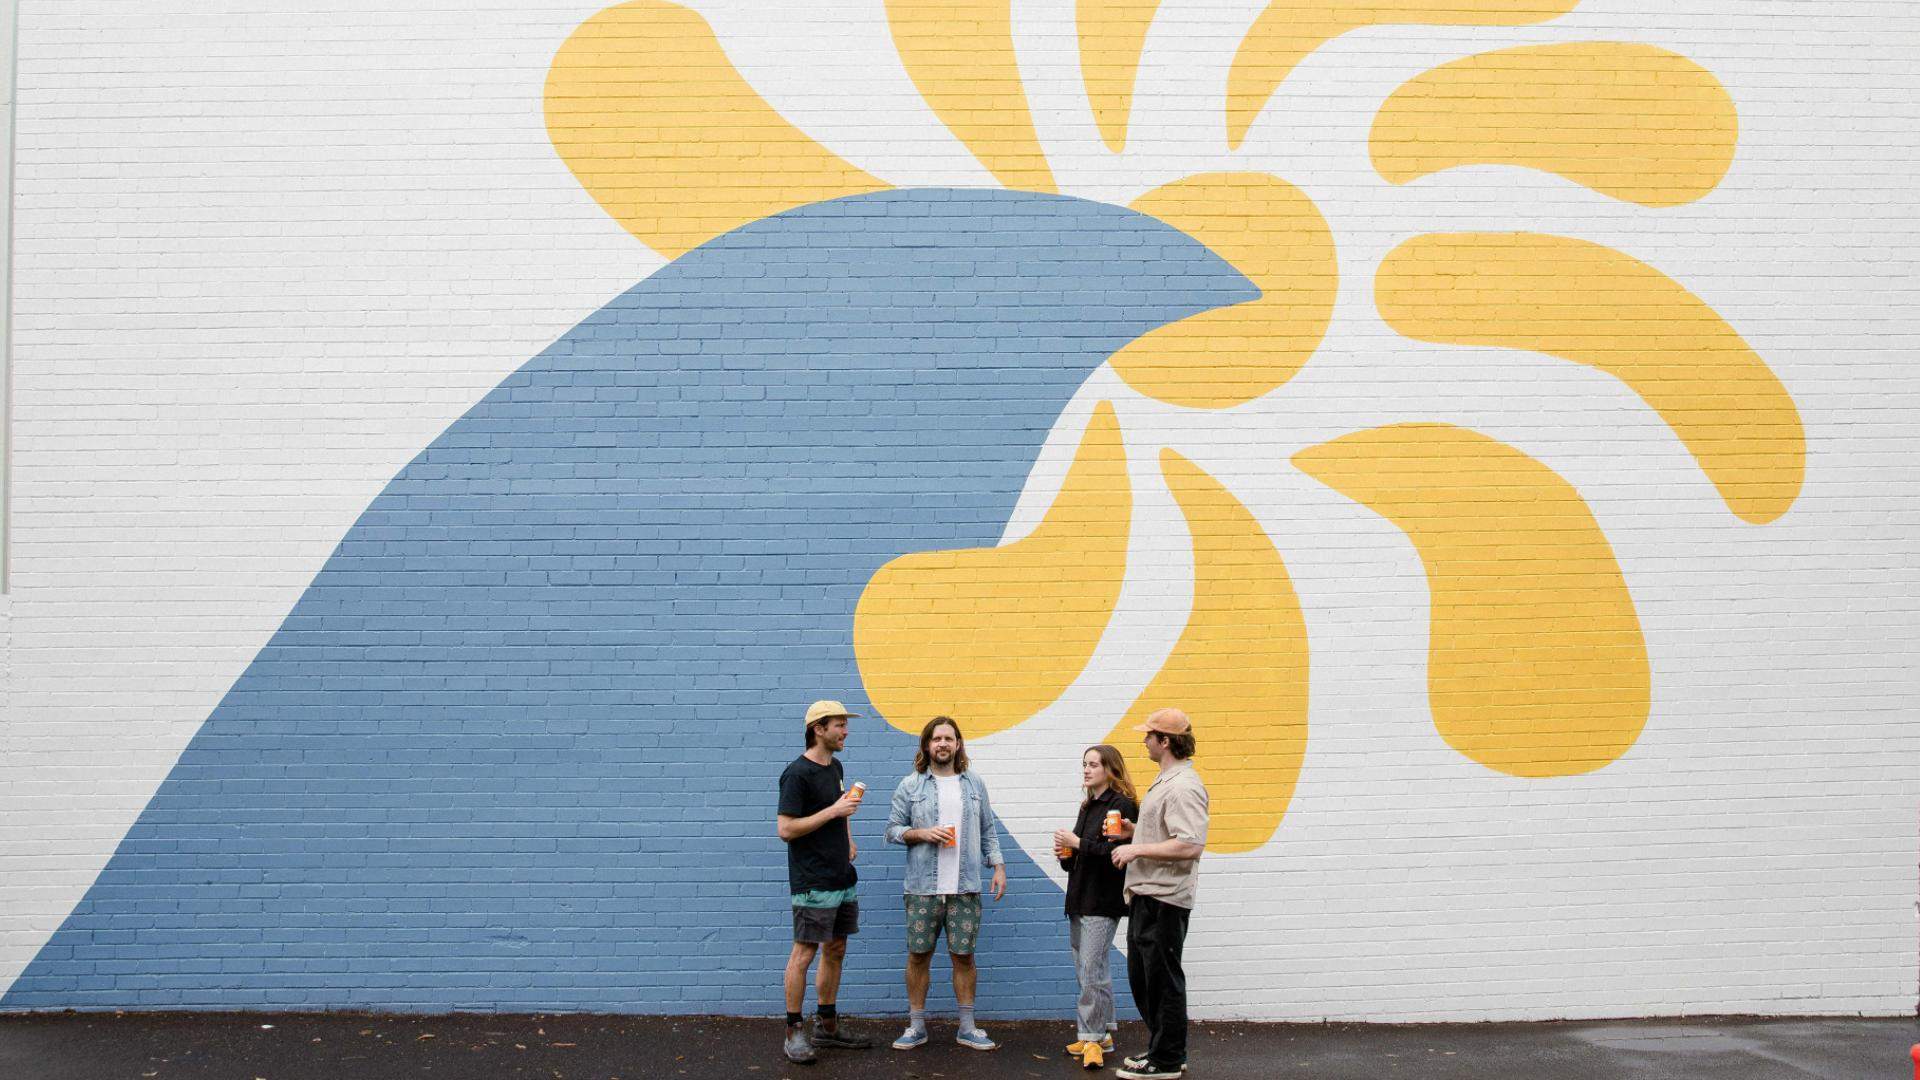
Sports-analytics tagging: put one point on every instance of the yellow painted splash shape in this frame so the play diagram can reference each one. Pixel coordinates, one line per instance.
(1289, 30)
(993, 635)
(1239, 669)
(1631, 121)
(1593, 305)
(653, 119)
(1112, 35)
(1269, 231)
(960, 55)
(1536, 665)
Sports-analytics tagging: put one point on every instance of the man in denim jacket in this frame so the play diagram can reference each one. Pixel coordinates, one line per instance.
(941, 813)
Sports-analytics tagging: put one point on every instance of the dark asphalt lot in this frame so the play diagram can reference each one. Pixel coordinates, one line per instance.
(348, 1046)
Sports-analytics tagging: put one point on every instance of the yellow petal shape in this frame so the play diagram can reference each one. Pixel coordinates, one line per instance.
(1535, 665)
(1289, 30)
(1630, 121)
(991, 636)
(1239, 669)
(960, 54)
(1269, 231)
(1112, 35)
(1593, 305)
(653, 119)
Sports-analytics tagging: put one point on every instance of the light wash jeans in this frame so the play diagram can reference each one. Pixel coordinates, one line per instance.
(1092, 940)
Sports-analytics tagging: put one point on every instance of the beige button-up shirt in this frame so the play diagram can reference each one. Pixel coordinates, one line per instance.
(1175, 808)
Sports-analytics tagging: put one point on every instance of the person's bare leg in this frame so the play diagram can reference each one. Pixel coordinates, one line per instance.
(965, 976)
(826, 981)
(797, 963)
(919, 976)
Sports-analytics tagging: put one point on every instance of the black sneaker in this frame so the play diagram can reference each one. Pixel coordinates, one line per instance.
(835, 1038)
(799, 1050)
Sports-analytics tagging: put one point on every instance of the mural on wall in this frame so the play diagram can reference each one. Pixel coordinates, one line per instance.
(492, 735)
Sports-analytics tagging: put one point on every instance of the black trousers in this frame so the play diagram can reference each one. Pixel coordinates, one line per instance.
(1156, 934)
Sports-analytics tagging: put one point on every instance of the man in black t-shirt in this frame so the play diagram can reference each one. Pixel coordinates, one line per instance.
(812, 818)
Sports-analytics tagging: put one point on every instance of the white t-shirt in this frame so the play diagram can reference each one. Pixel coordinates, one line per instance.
(947, 881)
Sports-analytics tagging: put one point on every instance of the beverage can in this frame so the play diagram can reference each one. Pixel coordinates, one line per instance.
(1112, 827)
(953, 833)
(859, 789)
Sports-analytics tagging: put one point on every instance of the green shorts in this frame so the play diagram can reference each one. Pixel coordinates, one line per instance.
(958, 914)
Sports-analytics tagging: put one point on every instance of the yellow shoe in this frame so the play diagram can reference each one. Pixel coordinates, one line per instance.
(1091, 1056)
(1074, 1048)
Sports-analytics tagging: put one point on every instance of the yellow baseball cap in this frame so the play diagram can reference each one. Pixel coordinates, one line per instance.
(826, 710)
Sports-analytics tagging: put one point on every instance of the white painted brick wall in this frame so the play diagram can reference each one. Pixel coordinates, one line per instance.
(266, 251)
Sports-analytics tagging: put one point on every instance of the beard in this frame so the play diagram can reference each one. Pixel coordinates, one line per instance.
(943, 756)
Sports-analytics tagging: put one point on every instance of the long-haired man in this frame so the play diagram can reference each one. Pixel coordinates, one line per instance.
(941, 813)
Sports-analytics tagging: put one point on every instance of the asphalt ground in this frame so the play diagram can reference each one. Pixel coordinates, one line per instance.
(331, 1046)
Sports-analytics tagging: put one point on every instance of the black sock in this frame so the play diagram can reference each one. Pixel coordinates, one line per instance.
(826, 1012)
(793, 1019)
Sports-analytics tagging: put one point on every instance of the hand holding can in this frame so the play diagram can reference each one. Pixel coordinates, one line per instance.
(953, 833)
(1112, 825)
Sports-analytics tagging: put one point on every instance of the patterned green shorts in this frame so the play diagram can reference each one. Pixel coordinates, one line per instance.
(958, 913)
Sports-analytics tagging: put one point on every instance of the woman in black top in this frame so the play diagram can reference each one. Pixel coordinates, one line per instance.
(1094, 903)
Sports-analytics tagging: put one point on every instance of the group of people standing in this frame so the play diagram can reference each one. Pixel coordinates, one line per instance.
(1127, 856)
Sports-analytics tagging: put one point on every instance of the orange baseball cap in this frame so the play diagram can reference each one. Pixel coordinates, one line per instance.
(1166, 722)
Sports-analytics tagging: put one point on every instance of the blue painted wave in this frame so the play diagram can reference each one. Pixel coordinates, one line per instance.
(515, 747)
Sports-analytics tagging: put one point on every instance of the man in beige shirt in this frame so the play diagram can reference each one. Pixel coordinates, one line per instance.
(1163, 868)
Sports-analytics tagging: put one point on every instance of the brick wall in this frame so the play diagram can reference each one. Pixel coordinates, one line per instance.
(359, 653)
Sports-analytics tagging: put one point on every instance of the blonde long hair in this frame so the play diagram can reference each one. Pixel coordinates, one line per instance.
(1116, 767)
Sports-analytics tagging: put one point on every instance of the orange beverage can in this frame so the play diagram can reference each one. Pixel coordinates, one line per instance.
(859, 789)
(1112, 826)
(953, 833)
(1062, 851)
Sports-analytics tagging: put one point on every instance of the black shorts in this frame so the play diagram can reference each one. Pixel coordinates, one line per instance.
(819, 925)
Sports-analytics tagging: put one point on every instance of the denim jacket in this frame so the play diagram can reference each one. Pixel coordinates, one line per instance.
(916, 805)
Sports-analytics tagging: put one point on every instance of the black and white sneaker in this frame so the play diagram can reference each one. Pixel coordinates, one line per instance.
(1139, 1063)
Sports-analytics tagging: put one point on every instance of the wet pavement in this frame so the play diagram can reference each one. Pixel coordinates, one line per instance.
(313, 1046)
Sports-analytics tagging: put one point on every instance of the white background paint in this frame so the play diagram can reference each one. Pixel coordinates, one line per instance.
(266, 251)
